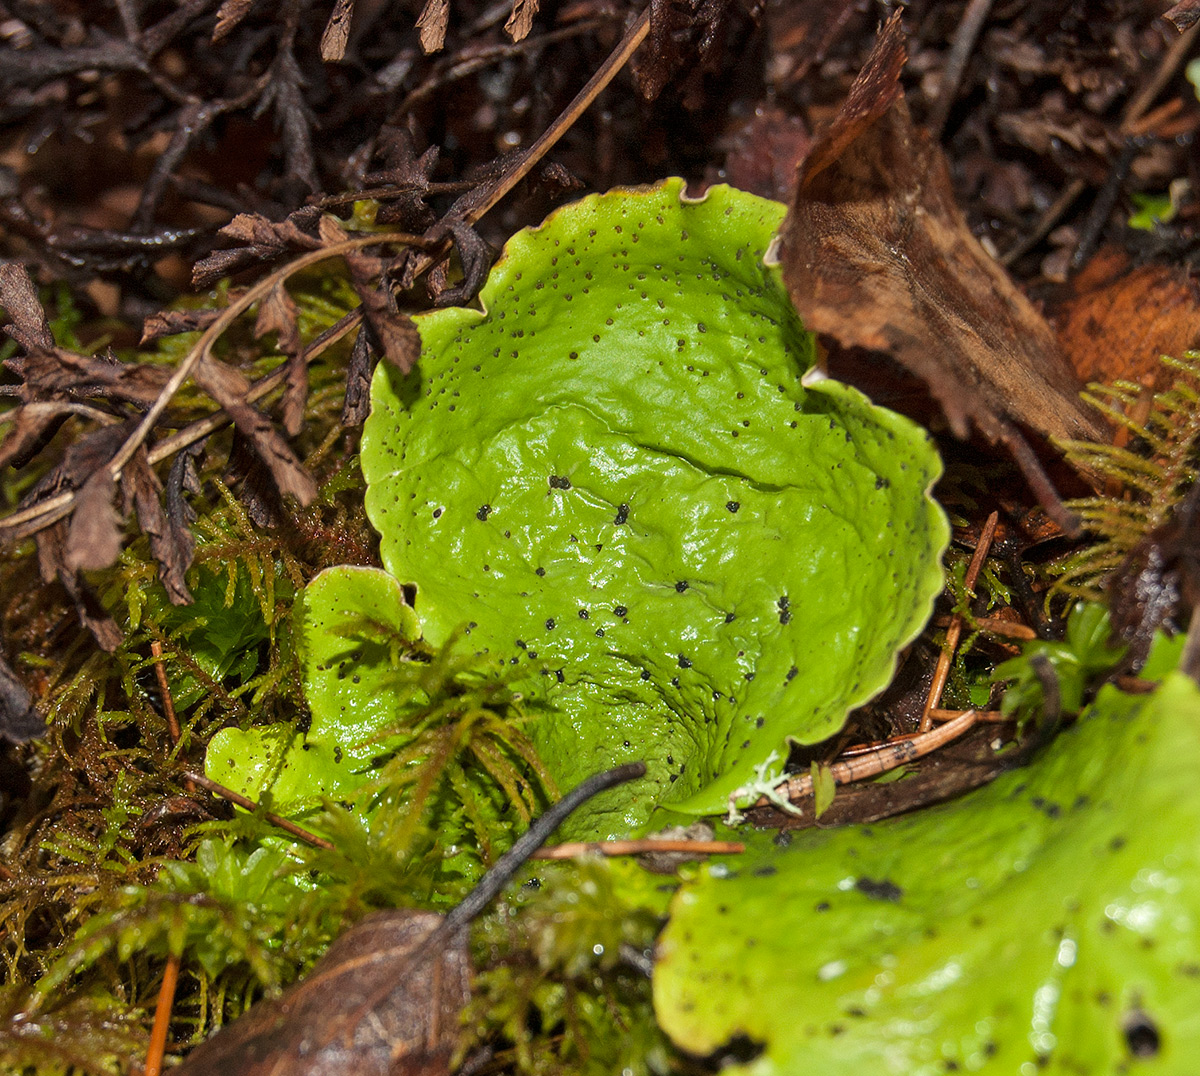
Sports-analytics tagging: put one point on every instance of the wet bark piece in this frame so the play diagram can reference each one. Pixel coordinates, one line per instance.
(876, 253)
(384, 999)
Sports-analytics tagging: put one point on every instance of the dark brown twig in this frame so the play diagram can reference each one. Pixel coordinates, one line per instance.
(956, 63)
(248, 804)
(954, 631)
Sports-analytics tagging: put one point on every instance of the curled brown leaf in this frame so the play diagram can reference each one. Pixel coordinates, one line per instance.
(229, 388)
(876, 253)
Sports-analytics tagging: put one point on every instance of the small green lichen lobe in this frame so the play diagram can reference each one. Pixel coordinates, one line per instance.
(560, 473)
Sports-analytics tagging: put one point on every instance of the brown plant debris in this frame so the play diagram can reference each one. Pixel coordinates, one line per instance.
(1115, 319)
(385, 998)
(877, 253)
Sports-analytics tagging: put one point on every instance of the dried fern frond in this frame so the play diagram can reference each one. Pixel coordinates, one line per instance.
(1153, 463)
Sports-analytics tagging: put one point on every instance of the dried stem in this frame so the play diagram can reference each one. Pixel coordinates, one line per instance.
(954, 631)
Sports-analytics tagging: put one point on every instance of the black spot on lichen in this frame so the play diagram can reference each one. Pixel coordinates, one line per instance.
(620, 610)
(484, 512)
(881, 482)
(583, 614)
(1141, 1034)
(785, 612)
(550, 623)
(684, 663)
(792, 673)
(559, 482)
(733, 506)
(622, 514)
(879, 890)
(558, 675)
(681, 586)
(539, 571)
(645, 674)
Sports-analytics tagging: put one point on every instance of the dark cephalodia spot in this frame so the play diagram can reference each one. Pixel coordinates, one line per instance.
(583, 614)
(484, 512)
(881, 482)
(733, 506)
(879, 890)
(785, 612)
(437, 513)
(681, 586)
(792, 673)
(539, 571)
(620, 610)
(1141, 1034)
(622, 514)
(759, 722)
(337, 754)
(550, 623)
(600, 633)
(558, 675)
(645, 674)
(684, 662)
(730, 618)
(559, 482)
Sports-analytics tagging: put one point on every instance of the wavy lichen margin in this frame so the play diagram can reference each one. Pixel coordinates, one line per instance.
(615, 475)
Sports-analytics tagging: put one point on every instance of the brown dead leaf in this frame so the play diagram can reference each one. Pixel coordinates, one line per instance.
(393, 333)
(51, 542)
(30, 431)
(337, 31)
(1115, 321)
(278, 313)
(262, 240)
(18, 297)
(385, 1000)
(357, 402)
(876, 253)
(229, 14)
(520, 21)
(170, 322)
(171, 543)
(764, 152)
(382, 1000)
(57, 373)
(229, 388)
(432, 24)
(94, 535)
